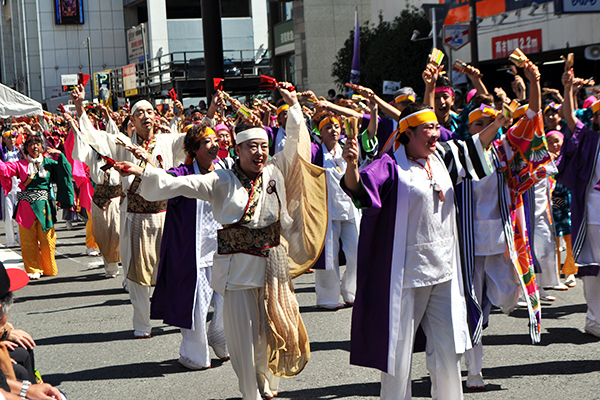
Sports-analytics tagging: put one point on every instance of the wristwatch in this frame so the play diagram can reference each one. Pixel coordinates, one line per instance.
(4, 335)
(24, 388)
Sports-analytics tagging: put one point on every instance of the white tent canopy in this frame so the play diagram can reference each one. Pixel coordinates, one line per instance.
(15, 104)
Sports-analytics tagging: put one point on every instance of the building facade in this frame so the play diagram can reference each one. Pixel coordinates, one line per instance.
(44, 39)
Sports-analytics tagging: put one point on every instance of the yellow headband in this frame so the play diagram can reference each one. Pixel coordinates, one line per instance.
(519, 112)
(596, 107)
(282, 109)
(404, 97)
(207, 131)
(328, 120)
(416, 119)
(8, 133)
(483, 112)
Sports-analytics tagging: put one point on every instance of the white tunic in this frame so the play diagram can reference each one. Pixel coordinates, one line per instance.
(280, 139)
(229, 198)
(429, 246)
(593, 200)
(489, 230)
(339, 203)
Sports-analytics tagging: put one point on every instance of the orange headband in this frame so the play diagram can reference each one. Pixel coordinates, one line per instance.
(282, 109)
(328, 120)
(416, 119)
(483, 112)
(404, 97)
(596, 107)
(519, 112)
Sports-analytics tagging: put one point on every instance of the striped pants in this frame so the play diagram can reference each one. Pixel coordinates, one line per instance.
(37, 249)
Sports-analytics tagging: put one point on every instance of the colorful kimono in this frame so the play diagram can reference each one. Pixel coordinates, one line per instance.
(35, 213)
(524, 161)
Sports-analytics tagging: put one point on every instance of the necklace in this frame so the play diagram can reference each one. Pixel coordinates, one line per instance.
(432, 181)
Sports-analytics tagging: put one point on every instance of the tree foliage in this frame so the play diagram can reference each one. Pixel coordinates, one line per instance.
(387, 53)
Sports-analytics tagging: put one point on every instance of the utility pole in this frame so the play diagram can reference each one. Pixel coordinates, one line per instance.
(89, 47)
(473, 33)
(213, 43)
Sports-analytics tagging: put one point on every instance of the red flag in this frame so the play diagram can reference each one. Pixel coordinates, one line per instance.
(266, 82)
(173, 94)
(84, 78)
(218, 83)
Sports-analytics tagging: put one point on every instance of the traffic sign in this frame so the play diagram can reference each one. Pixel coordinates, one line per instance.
(456, 36)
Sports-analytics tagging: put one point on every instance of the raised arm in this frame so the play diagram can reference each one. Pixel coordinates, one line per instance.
(533, 75)
(430, 75)
(345, 111)
(386, 107)
(567, 107)
(373, 122)
(352, 176)
(488, 134)
(475, 76)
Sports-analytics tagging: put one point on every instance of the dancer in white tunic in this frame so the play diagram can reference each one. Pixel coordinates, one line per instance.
(141, 221)
(409, 265)
(108, 194)
(265, 334)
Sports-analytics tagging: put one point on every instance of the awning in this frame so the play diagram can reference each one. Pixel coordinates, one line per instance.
(15, 104)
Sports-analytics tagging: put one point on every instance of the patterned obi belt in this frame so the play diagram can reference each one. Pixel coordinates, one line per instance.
(241, 239)
(104, 193)
(138, 205)
(32, 196)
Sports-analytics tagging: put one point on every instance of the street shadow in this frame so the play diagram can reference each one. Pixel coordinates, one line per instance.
(107, 303)
(370, 389)
(101, 337)
(571, 367)
(333, 345)
(313, 309)
(306, 289)
(550, 312)
(46, 280)
(553, 336)
(62, 295)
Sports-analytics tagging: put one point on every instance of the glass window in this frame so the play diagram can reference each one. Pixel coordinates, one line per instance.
(182, 9)
(235, 8)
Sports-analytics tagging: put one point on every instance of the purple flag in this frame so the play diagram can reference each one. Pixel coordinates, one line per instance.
(355, 73)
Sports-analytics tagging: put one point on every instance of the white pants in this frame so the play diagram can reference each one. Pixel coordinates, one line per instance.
(140, 300)
(245, 327)
(502, 288)
(431, 307)
(195, 341)
(590, 253)
(10, 201)
(327, 282)
(545, 252)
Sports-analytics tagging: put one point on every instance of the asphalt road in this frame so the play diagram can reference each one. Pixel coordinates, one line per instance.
(81, 323)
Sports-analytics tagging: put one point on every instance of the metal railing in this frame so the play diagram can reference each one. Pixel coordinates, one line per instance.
(186, 69)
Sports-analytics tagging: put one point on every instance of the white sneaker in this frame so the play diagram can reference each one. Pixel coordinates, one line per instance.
(92, 252)
(125, 287)
(475, 382)
(35, 276)
(189, 365)
(69, 225)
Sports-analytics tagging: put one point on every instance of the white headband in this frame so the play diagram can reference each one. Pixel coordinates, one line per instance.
(249, 134)
(141, 103)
